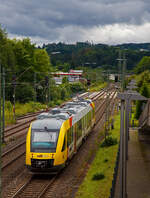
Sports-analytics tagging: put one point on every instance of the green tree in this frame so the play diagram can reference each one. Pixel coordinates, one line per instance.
(143, 65)
(63, 93)
(139, 104)
(26, 94)
(41, 61)
(65, 80)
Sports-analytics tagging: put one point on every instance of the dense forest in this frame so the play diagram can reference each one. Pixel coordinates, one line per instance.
(82, 54)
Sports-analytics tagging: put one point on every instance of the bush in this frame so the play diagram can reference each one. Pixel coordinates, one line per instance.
(139, 104)
(109, 141)
(76, 87)
(51, 104)
(26, 94)
(105, 160)
(98, 176)
(63, 93)
(58, 102)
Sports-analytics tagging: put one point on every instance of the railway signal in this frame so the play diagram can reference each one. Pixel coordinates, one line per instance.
(13, 80)
(88, 82)
(116, 78)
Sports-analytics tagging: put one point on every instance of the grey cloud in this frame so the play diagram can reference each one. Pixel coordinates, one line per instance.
(49, 18)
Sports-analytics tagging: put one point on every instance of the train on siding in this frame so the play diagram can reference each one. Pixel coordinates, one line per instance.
(54, 137)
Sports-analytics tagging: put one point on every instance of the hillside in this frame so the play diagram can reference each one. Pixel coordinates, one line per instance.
(95, 55)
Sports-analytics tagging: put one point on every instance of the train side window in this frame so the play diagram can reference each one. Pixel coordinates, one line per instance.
(86, 121)
(79, 129)
(93, 113)
(89, 118)
(64, 144)
(69, 136)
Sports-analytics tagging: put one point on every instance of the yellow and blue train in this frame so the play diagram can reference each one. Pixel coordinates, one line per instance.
(55, 136)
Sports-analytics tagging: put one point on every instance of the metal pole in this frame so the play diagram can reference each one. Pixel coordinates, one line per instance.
(106, 108)
(126, 144)
(124, 71)
(0, 136)
(119, 65)
(122, 161)
(106, 120)
(3, 112)
(14, 96)
(49, 88)
(35, 96)
(127, 125)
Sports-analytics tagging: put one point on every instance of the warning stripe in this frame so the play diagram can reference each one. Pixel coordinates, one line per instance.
(92, 105)
(70, 121)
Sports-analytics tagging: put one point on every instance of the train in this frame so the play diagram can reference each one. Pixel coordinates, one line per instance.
(55, 136)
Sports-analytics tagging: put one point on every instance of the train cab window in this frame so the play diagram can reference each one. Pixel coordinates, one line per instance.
(64, 144)
(43, 141)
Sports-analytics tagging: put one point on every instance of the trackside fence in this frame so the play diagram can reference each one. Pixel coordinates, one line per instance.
(112, 190)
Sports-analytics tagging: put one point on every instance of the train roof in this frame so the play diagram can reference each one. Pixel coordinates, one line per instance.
(49, 124)
(55, 117)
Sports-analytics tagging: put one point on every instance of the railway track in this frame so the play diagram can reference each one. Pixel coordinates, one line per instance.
(26, 189)
(11, 157)
(21, 128)
(8, 157)
(22, 191)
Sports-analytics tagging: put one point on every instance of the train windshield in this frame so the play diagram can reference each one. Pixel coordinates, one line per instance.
(43, 141)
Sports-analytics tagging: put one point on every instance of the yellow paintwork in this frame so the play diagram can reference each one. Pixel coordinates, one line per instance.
(59, 157)
(28, 158)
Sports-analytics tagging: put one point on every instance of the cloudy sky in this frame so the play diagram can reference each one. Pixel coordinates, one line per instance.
(98, 21)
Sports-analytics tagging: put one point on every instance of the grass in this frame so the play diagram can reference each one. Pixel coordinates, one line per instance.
(23, 109)
(98, 181)
(20, 109)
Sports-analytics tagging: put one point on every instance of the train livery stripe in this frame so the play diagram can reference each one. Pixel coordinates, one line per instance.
(70, 121)
(92, 105)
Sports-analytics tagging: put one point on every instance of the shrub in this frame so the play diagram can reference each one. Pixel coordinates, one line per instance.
(58, 102)
(98, 176)
(63, 93)
(109, 141)
(51, 104)
(26, 94)
(105, 160)
(76, 87)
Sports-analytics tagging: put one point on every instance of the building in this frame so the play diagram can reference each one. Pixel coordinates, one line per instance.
(72, 75)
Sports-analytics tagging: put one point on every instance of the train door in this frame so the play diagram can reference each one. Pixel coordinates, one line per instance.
(83, 125)
(75, 137)
(70, 142)
(64, 149)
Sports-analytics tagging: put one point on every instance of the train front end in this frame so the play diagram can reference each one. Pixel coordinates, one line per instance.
(44, 144)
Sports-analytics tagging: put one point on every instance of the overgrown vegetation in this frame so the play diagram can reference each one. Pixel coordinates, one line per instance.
(29, 76)
(143, 82)
(98, 176)
(109, 141)
(20, 110)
